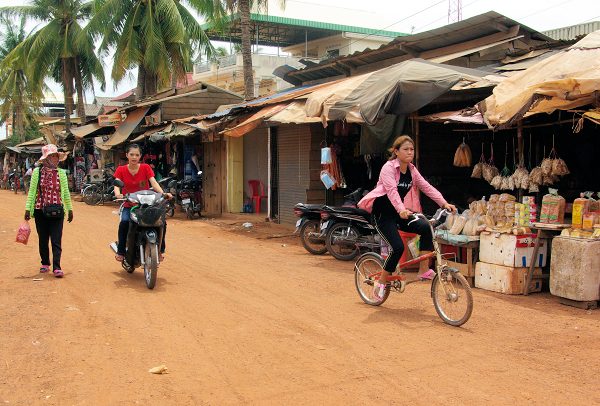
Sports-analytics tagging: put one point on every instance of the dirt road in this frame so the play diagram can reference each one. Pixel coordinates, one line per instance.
(238, 320)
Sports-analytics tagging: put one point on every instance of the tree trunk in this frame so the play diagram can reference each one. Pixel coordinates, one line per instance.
(19, 112)
(79, 88)
(141, 80)
(244, 7)
(150, 85)
(68, 91)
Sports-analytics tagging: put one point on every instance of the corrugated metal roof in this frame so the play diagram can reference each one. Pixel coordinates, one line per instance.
(573, 31)
(282, 31)
(413, 45)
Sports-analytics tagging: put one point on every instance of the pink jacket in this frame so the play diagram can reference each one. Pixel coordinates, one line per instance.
(387, 185)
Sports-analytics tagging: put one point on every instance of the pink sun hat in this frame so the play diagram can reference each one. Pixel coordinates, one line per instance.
(52, 149)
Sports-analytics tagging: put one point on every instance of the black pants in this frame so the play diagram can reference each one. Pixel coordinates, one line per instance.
(49, 230)
(388, 224)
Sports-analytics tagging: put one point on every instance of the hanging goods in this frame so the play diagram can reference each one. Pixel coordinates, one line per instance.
(326, 155)
(328, 180)
(478, 168)
(462, 156)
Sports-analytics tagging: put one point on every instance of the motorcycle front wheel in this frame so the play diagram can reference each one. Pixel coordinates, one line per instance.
(150, 264)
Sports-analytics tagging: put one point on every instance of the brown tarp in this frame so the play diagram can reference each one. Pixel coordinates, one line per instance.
(126, 127)
(254, 120)
(81, 132)
(398, 89)
(565, 80)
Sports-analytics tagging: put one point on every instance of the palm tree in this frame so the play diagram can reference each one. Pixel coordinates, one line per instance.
(17, 97)
(158, 37)
(243, 7)
(60, 49)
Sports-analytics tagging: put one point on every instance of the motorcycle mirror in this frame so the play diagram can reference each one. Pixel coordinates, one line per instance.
(118, 182)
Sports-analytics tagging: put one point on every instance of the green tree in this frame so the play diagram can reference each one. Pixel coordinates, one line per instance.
(158, 37)
(17, 97)
(243, 7)
(60, 49)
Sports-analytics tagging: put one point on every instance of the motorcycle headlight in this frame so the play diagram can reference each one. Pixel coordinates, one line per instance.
(147, 199)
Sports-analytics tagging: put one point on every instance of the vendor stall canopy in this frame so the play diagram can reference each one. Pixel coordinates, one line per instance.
(396, 90)
(567, 79)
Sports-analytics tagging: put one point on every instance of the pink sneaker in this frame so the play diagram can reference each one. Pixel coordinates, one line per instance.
(378, 291)
(427, 275)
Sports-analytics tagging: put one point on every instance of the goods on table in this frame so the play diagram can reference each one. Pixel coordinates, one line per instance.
(580, 207)
(553, 208)
(575, 269)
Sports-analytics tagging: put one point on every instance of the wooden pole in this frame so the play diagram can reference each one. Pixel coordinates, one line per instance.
(417, 139)
(521, 153)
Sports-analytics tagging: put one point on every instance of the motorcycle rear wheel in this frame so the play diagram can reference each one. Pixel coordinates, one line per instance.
(313, 247)
(150, 264)
(189, 211)
(341, 241)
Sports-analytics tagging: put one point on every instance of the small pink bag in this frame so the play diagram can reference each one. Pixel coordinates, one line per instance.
(23, 233)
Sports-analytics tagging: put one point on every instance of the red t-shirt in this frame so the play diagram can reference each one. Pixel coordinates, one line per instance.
(134, 183)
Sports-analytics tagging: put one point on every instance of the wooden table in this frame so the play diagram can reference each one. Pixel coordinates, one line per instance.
(543, 231)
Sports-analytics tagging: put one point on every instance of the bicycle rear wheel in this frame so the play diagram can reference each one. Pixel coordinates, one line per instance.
(452, 297)
(366, 272)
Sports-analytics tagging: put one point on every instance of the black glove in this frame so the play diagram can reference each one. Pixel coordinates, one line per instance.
(70, 216)
(27, 216)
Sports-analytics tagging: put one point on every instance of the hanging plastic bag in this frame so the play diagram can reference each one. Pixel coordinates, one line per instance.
(327, 179)
(326, 156)
(23, 233)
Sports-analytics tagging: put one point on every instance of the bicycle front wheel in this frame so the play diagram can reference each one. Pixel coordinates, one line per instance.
(366, 272)
(452, 297)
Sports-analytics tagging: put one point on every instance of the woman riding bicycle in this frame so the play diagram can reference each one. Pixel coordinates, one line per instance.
(391, 203)
(136, 176)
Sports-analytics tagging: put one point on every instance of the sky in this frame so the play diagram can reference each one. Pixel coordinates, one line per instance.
(409, 16)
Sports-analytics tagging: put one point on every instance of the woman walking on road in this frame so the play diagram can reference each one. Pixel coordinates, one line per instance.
(136, 176)
(47, 201)
(393, 200)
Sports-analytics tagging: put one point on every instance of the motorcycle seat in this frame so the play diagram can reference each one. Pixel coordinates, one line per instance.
(351, 210)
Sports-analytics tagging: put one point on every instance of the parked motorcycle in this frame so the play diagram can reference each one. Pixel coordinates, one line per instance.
(189, 195)
(146, 229)
(348, 229)
(170, 184)
(309, 227)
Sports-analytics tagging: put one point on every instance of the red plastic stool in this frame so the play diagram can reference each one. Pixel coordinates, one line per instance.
(258, 192)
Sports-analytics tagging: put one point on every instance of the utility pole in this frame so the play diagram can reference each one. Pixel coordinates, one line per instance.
(454, 11)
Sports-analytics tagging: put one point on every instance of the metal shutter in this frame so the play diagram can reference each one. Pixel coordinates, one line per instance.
(293, 152)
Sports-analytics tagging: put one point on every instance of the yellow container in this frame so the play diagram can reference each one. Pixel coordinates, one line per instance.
(580, 207)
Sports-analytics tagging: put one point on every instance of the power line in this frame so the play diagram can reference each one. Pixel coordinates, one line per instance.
(397, 22)
(544, 10)
(444, 17)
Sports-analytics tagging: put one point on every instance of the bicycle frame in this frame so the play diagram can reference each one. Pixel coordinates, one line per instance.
(435, 253)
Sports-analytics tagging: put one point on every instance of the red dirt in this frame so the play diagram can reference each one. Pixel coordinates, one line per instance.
(247, 320)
